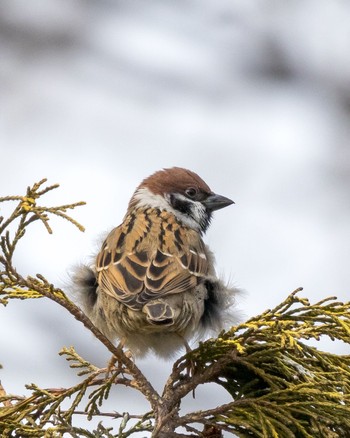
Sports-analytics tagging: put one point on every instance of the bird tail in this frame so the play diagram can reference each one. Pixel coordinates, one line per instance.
(159, 313)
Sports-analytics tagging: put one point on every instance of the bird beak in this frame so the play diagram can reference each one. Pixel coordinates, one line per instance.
(216, 202)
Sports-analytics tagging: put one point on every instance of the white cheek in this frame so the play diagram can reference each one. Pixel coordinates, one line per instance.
(198, 212)
(187, 220)
(145, 198)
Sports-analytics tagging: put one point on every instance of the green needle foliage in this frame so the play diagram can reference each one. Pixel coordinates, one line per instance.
(280, 385)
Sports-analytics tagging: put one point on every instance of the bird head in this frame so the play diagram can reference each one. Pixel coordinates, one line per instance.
(181, 192)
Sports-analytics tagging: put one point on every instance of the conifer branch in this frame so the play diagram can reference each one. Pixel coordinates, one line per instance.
(280, 385)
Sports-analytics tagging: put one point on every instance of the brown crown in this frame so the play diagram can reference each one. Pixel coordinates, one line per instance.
(174, 180)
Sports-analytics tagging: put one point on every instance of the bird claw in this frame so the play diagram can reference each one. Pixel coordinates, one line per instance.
(111, 365)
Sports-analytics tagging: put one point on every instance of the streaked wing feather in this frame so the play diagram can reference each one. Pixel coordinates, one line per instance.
(143, 258)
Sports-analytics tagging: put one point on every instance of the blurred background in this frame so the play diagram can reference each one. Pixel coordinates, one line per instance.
(254, 96)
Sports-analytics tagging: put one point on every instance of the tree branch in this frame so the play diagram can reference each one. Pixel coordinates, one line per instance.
(280, 386)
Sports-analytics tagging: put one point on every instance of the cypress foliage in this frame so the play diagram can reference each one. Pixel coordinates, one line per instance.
(280, 385)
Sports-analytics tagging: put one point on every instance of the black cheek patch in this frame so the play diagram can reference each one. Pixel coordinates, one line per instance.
(180, 204)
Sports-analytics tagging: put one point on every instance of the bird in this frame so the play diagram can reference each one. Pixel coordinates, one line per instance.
(153, 284)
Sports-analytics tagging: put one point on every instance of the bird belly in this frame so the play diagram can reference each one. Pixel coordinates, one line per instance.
(162, 325)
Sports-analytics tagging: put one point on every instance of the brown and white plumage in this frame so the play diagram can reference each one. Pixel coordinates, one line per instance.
(153, 284)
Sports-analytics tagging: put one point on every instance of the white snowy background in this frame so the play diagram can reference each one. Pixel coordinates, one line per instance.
(254, 96)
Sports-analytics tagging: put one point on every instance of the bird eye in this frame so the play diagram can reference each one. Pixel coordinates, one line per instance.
(191, 192)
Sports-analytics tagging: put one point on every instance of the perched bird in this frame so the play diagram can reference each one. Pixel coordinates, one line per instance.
(153, 284)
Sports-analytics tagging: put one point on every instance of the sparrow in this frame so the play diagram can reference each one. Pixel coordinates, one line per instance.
(153, 284)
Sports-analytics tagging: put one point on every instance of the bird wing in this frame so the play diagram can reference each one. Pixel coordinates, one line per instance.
(148, 256)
